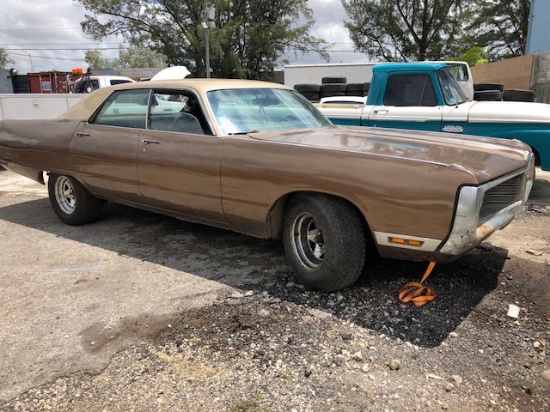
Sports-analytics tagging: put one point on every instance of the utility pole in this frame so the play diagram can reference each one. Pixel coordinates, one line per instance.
(206, 39)
(30, 58)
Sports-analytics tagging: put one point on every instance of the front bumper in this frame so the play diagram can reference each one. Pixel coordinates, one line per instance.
(480, 210)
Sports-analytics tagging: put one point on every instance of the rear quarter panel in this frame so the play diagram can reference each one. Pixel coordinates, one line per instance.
(39, 145)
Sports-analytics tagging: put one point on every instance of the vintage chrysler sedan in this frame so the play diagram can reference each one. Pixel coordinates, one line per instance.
(257, 158)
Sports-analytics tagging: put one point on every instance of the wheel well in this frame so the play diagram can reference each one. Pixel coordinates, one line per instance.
(276, 214)
(537, 156)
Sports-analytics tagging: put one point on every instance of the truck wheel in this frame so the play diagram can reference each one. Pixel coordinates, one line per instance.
(324, 241)
(71, 202)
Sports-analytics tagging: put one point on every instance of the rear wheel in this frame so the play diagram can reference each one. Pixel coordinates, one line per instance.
(71, 202)
(324, 241)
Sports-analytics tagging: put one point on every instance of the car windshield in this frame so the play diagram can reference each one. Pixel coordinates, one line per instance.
(241, 111)
(451, 90)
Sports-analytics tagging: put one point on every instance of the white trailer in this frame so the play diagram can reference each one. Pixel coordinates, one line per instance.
(313, 73)
(22, 106)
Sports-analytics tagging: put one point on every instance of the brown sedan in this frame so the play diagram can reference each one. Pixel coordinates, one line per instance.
(257, 158)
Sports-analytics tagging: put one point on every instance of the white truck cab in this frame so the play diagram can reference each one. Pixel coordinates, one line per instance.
(463, 76)
(88, 84)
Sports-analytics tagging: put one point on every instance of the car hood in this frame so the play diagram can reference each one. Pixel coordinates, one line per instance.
(483, 158)
(509, 112)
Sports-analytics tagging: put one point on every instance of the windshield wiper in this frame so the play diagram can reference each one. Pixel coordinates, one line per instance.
(239, 133)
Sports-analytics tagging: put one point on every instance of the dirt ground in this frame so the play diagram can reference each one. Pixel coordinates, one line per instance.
(144, 312)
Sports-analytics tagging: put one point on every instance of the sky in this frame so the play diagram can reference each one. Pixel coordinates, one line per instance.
(30, 30)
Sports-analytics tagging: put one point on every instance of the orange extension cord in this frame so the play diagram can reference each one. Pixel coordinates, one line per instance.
(416, 292)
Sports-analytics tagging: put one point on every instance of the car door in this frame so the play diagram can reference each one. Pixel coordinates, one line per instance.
(103, 151)
(179, 159)
(409, 102)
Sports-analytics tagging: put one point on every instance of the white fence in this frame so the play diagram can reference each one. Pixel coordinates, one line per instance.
(36, 106)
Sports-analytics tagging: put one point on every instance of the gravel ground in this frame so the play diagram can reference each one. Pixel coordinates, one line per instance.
(274, 346)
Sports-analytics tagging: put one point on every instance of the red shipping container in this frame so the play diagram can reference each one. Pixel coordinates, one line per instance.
(49, 82)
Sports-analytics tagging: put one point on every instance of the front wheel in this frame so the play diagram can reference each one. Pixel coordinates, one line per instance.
(71, 202)
(324, 241)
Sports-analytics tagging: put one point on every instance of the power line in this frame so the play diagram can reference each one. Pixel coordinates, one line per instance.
(45, 57)
(54, 44)
(44, 29)
(77, 49)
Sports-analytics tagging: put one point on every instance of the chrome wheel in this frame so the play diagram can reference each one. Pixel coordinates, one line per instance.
(71, 202)
(65, 195)
(307, 241)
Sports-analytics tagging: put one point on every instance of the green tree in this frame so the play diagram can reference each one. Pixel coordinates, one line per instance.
(139, 57)
(96, 61)
(4, 59)
(474, 56)
(127, 58)
(501, 27)
(396, 30)
(249, 37)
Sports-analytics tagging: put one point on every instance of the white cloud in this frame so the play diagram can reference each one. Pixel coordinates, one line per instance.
(329, 16)
(48, 34)
(37, 27)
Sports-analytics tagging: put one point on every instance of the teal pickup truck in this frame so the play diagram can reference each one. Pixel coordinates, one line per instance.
(425, 96)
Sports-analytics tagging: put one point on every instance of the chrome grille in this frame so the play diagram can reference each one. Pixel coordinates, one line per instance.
(502, 196)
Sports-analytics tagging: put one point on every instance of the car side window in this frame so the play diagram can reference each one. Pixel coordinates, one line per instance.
(410, 90)
(177, 111)
(125, 108)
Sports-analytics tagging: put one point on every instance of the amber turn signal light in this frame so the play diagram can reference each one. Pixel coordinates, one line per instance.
(409, 242)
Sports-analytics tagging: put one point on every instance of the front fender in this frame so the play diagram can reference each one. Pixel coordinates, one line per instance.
(537, 136)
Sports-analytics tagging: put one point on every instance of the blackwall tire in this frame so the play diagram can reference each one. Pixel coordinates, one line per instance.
(311, 96)
(488, 95)
(518, 95)
(341, 80)
(71, 202)
(324, 241)
(332, 89)
(307, 88)
(489, 86)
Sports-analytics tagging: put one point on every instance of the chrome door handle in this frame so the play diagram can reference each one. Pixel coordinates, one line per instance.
(380, 111)
(149, 141)
(82, 134)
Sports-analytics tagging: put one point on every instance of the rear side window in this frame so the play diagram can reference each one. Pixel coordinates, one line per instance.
(410, 90)
(125, 108)
(177, 111)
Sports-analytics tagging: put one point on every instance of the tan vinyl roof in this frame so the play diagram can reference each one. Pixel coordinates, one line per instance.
(87, 106)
